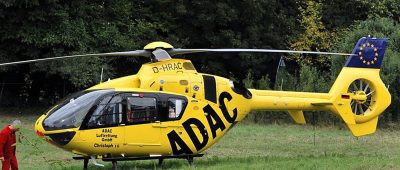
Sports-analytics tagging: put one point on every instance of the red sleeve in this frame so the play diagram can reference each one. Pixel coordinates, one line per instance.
(3, 140)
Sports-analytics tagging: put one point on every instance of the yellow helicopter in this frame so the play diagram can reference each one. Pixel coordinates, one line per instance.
(169, 110)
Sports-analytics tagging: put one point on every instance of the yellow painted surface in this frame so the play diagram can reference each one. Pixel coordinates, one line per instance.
(157, 44)
(298, 116)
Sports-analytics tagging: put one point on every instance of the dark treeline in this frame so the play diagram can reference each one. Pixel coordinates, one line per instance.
(49, 28)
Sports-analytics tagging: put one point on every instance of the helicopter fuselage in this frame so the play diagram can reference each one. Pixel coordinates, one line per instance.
(179, 111)
(168, 108)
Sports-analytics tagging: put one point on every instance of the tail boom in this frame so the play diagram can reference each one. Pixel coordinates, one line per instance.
(287, 100)
(339, 100)
(358, 95)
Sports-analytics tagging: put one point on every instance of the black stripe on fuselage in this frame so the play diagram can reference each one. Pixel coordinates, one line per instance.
(210, 88)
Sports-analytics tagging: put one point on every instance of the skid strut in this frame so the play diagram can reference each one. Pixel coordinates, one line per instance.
(114, 160)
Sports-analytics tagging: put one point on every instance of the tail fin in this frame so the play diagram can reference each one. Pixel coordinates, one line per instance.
(360, 96)
(369, 53)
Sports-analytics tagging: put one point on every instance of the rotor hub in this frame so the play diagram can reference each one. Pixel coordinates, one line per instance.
(360, 97)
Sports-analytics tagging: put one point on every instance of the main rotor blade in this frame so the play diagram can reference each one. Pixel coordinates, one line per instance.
(125, 53)
(187, 51)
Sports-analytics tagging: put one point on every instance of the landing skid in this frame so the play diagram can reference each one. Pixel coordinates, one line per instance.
(114, 160)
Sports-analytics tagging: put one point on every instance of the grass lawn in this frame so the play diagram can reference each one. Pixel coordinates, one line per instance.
(246, 146)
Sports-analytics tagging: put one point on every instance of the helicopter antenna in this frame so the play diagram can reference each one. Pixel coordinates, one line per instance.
(281, 64)
(101, 75)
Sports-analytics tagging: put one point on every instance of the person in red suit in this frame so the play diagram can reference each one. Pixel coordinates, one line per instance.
(7, 146)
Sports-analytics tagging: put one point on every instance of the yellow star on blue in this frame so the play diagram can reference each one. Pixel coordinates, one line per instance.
(368, 60)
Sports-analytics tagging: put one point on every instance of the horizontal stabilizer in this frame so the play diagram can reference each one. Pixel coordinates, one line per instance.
(297, 116)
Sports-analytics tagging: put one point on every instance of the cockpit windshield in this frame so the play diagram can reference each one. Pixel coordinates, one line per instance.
(71, 112)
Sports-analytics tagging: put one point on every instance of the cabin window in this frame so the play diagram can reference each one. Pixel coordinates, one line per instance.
(109, 112)
(141, 109)
(175, 107)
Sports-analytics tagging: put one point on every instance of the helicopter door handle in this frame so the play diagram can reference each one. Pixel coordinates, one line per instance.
(159, 125)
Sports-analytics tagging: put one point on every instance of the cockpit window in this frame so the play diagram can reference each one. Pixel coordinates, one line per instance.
(71, 112)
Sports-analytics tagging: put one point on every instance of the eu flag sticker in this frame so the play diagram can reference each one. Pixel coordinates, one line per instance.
(368, 53)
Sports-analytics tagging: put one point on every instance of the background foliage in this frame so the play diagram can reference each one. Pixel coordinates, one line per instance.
(48, 28)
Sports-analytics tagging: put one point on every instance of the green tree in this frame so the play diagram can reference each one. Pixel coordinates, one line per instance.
(340, 14)
(315, 36)
(248, 81)
(233, 24)
(383, 8)
(264, 83)
(312, 80)
(38, 29)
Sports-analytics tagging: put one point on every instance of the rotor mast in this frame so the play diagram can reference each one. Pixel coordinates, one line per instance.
(158, 50)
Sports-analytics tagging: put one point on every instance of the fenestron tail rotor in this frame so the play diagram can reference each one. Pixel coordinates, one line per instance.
(362, 105)
(161, 51)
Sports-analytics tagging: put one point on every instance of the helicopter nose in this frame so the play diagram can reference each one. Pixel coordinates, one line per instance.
(39, 130)
(59, 139)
